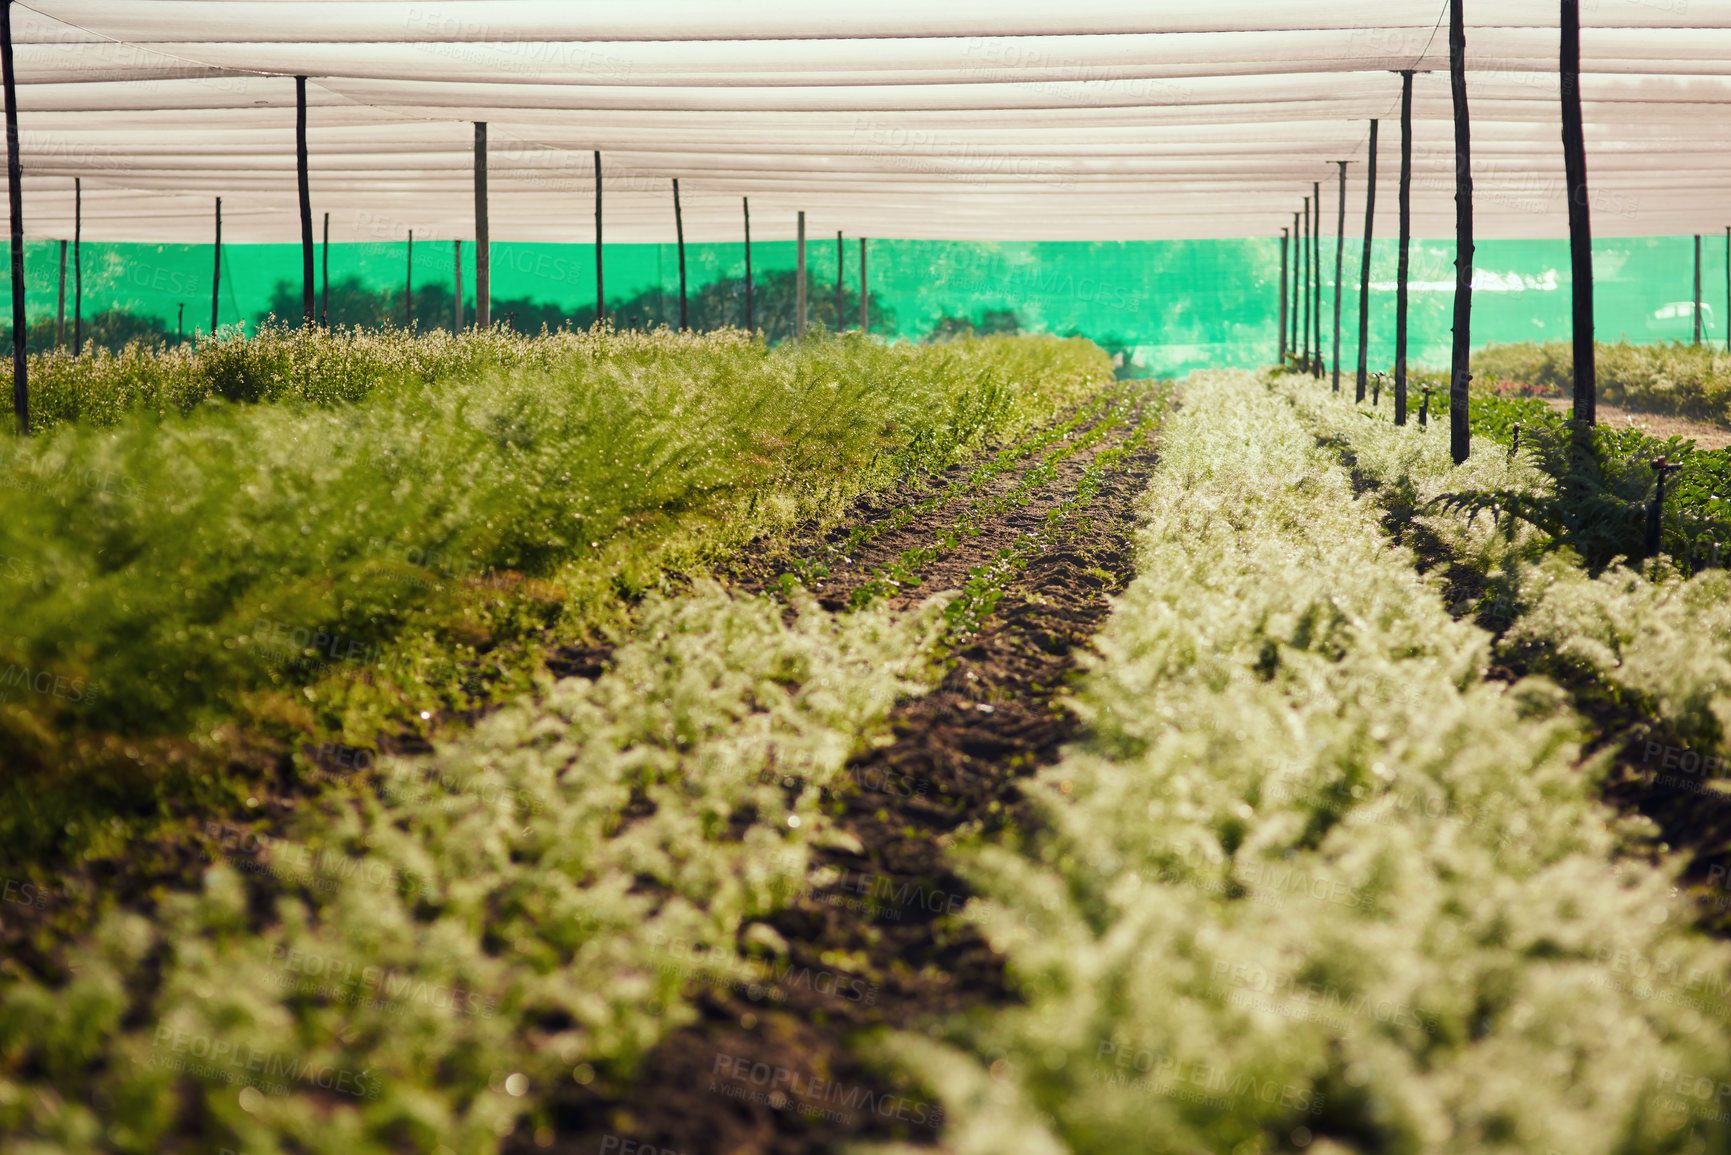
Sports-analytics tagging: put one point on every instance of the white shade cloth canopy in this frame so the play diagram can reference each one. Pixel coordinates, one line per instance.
(953, 119)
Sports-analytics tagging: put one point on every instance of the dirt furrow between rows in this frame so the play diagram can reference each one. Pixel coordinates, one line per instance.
(882, 937)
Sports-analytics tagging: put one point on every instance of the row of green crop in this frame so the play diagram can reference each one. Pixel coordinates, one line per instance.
(538, 902)
(1595, 504)
(1311, 881)
(1676, 378)
(1654, 637)
(343, 569)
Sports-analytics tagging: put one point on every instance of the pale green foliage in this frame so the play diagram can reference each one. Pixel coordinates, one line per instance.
(511, 866)
(1664, 640)
(1310, 870)
(1667, 641)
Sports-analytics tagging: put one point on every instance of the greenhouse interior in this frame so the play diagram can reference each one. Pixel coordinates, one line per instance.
(937, 577)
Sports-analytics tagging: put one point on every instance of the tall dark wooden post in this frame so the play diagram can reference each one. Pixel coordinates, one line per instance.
(745, 202)
(840, 261)
(1339, 260)
(60, 303)
(1460, 432)
(1297, 251)
(1316, 275)
(409, 283)
(1402, 263)
(1697, 288)
(1283, 246)
(600, 293)
(325, 277)
(216, 271)
(15, 199)
(307, 313)
(799, 285)
(77, 266)
(864, 296)
(483, 275)
(1364, 268)
(1580, 225)
(1304, 285)
(679, 232)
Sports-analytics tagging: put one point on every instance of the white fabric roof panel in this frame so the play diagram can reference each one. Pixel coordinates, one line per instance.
(963, 119)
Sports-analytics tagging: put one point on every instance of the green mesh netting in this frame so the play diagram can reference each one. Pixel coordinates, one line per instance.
(1166, 306)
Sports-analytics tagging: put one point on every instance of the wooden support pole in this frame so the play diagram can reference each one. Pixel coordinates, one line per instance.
(1283, 246)
(325, 277)
(679, 232)
(840, 260)
(600, 292)
(750, 326)
(216, 271)
(864, 296)
(1402, 263)
(457, 285)
(1304, 285)
(1460, 374)
(1364, 268)
(483, 285)
(1697, 311)
(799, 283)
(1339, 259)
(1580, 225)
(409, 283)
(60, 303)
(1316, 276)
(1292, 324)
(77, 266)
(15, 200)
(307, 313)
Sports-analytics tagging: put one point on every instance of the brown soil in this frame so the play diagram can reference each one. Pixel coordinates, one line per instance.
(765, 1062)
(1660, 425)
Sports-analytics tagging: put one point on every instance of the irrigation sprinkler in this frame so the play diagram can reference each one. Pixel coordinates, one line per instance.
(483, 281)
(325, 278)
(1404, 261)
(1580, 227)
(15, 199)
(1364, 268)
(1376, 393)
(307, 312)
(1656, 507)
(679, 235)
(1424, 407)
(1515, 441)
(180, 324)
(600, 294)
(1460, 432)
